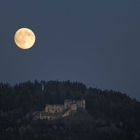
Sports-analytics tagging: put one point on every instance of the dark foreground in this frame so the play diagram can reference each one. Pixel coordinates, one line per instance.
(109, 115)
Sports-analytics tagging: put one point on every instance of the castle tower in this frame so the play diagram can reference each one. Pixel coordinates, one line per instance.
(67, 104)
(81, 104)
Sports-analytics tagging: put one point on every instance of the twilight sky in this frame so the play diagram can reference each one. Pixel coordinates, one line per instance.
(96, 42)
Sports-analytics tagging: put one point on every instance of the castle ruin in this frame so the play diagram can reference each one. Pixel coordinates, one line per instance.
(52, 112)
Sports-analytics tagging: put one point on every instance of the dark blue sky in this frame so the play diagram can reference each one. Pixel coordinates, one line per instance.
(96, 42)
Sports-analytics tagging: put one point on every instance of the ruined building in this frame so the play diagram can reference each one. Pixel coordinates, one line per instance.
(52, 112)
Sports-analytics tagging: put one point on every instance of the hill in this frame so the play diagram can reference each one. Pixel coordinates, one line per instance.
(109, 115)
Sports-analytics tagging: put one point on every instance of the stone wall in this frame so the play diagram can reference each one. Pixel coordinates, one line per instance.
(54, 108)
(71, 105)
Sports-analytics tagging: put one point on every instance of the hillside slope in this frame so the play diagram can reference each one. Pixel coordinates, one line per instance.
(109, 115)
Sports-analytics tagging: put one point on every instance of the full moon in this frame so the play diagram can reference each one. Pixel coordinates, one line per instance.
(24, 38)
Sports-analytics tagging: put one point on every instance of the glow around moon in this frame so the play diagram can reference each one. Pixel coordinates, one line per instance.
(24, 38)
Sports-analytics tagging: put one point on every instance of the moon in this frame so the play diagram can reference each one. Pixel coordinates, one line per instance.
(24, 38)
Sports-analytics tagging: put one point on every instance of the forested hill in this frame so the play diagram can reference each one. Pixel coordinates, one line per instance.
(115, 116)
